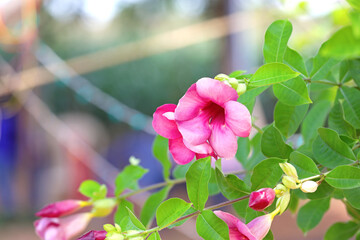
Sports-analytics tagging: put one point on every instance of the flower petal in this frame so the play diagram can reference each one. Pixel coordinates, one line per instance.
(75, 224)
(181, 154)
(203, 148)
(238, 118)
(222, 139)
(215, 91)
(189, 105)
(162, 124)
(197, 130)
(260, 226)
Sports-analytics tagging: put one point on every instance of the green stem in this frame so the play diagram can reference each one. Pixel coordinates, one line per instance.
(257, 128)
(219, 205)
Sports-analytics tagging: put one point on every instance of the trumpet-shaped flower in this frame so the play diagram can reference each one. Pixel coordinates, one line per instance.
(62, 228)
(261, 199)
(254, 230)
(61, 208)
(93, 235)
(205, 122)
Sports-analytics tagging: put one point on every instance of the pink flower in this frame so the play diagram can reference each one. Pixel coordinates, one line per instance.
(165, 125)
(62, 228)
(205, 122)
(93, 235)
(61, 208)
(254, 230)
(261, 199)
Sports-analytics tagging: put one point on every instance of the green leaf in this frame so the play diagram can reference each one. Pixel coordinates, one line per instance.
(354, 68)
(252, 214)
(351, 105)
(256, 155)
(273, 145)
(355, 4)
(170, 210)
(276, 38)
(189, 211)
(321, 67)
(294, 203)
(341, 231)
(267, 173)
(288, 118)
(154, 200)
(154, 236)
(93, 189)
(135, 220)
(243, 150)
(249, 97)
(314, 119)
(272, 73)
(353, 196)
(210, 227)
(122, 211)
(295, 60)
(197, 180)
(342, 45)
(337, 121)
(128, 178)
(232, 187)
(237, 73)
(160, 151)
(344, 177)
(330, 150)
(180, 170)
(304, 165)
(292, 92)
(311, 213)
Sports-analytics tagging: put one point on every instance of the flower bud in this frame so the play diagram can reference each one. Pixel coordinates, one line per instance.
(289, 170)
(93, 235)
(283, 202)
(61, 208)
(261, 199)
(221, 77)
(114, 236)
(280, 189)
(131, 233)
(103, 207)
(289, 182)
(309, 186)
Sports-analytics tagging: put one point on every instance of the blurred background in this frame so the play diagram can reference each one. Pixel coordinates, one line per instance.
(80, 79)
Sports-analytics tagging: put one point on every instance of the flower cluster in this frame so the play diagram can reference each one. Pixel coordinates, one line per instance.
(205, 122)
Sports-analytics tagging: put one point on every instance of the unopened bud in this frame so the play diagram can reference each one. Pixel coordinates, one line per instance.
(103, 207)
(61, 208)
(114, 236)
(131, 233)
(261, 199)
(283, 202)
(109, 228)
(289, 170)
(221, 77)
(241, 88)
(309, 186)
(289, 182)
(93, 235)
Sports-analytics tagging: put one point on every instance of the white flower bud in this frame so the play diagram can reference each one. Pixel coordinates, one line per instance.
(309, 186)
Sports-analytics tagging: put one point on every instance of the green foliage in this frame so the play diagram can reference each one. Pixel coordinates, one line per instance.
(295, 60)
(272, 73)
(310, 215)
(180, 170)
(197, 180)
(154, 236)
(93, 189)
(170, 210)
(135, 221)
(288, 118)
(341, 231)
(149, 209)
(121, 216)
(351, 104)
(161, 153)
(292, 92)
(344, 177)
(248, 98)
(330, 150)
(304, 165)
(267, 173)
(273, 145)
(210, 227)
(353, 196)
(128, 178)
(276, 38)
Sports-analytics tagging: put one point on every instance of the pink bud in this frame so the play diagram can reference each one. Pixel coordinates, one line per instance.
(261, 199)
(61, 208)
(62, 228)
(93, 235)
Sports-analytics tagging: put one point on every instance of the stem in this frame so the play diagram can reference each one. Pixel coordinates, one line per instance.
(219, 205)
(327, 83)
(154, 186)
(257, 128)
(356, 146)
